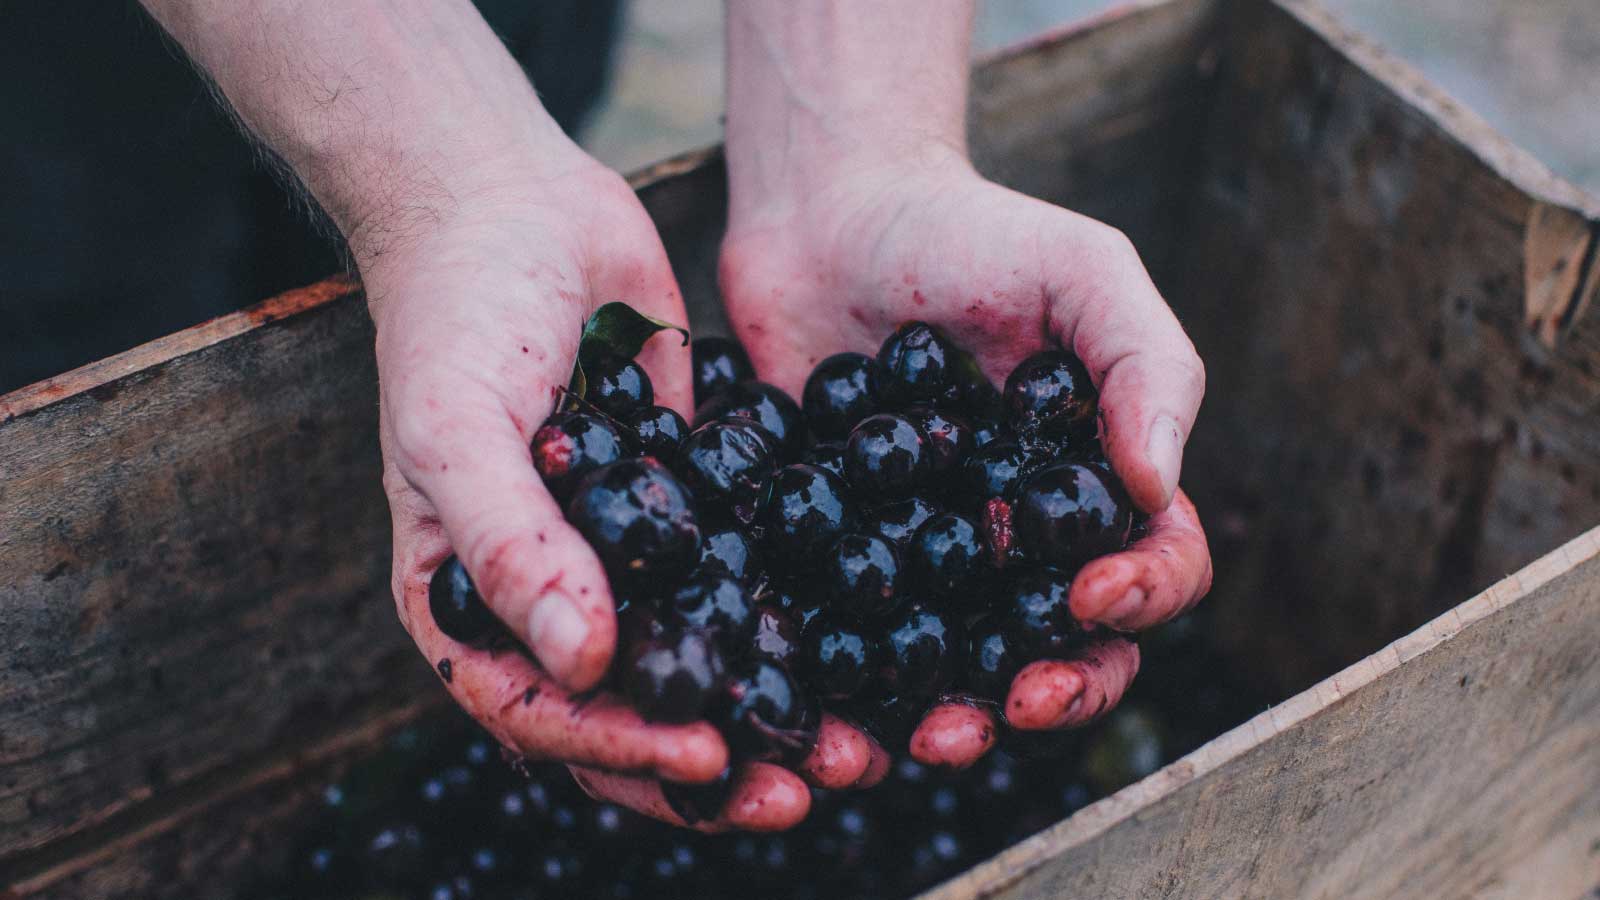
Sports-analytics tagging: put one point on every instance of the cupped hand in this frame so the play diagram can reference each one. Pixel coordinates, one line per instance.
(835, 264)
(478, 317)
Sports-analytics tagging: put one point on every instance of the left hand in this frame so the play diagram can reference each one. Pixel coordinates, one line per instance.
(834, 264)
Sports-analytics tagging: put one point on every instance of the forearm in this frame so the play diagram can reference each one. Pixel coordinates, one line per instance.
(387, 111)
(826, 83)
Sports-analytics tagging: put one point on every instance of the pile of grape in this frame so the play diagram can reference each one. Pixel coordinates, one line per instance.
(437, 815)
(906, 534)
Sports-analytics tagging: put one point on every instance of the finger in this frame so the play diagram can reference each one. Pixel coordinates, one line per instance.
(464, 453)
(1157, 579)
(641, 275)
(765, 797)
(840, 757)
(1150, 378)
(525, 709)
(1066, 693)
(877, 767)
(954, 735)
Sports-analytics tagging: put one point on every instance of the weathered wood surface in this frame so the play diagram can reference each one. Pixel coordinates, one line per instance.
(1459, 761)
(1389, 299)
(190, 552)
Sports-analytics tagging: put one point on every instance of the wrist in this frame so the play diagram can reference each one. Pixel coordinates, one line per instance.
(822, 92)
(403, 198)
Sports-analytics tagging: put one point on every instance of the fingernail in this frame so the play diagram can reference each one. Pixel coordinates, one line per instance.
(1126, 608)
(1164, 449)
(557, 631)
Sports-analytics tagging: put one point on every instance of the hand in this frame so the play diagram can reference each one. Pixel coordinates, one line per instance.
(477, 328)
(837, 262)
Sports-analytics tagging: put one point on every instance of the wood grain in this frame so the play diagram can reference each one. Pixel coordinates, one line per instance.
(196, 560)
(1440, 766)
(1357, 276)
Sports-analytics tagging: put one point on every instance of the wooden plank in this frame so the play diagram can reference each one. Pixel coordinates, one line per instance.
(1437, 767)
(243, 809)
(192, 552)
(1361, 260)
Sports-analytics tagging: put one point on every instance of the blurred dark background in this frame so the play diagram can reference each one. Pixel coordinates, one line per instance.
(130, 207)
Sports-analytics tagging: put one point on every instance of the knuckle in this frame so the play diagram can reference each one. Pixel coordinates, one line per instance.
(1191, 372)
(417, 428)
(503, 563)
(1113, 245)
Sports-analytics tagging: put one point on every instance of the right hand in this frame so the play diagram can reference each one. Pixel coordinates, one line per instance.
(478, 319)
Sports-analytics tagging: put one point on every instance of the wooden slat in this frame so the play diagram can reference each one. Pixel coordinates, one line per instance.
(1440, 766)
(194, 557)
(1361, 258)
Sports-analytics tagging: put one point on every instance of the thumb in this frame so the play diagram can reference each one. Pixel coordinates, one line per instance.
(1150, 378)
(535, 571)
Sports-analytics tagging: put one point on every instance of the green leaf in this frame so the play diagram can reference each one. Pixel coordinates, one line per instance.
(967, 369)
(620, 328)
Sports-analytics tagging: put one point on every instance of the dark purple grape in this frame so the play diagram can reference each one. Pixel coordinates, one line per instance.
(674, 678)
(991, 661)
(696, 803)
(637, 623)
(717, 605)
(986, 432)
(1069, 513)
(777, 636)
(838, 657)
(1057, 746)
(899, 520)
(841, 391)
(637, 518)
(827, 455)
(807, 510)
(719, 362)
(800, 597)
(1049, 396)
(727, 465)
(766, 715)
(950, 437)
(887, 456)
(660, 430)
(616, 385)
(457, 607)
(861, 572)
(570, 445)
(946, 560)
(891, 718)
(395, 854)
(558, 869)
(924, 650)
(729, 550)
(762, 403)
(918, 363)
(980, 400)
(1036, 616)
(995, 471)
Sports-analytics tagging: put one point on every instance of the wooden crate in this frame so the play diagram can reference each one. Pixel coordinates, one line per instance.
(1404, 379)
